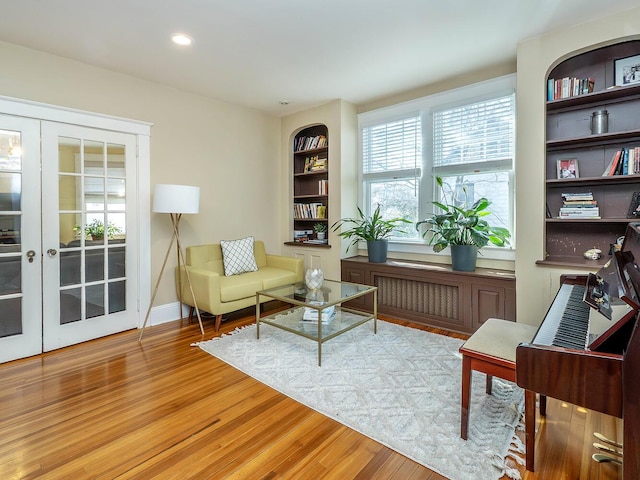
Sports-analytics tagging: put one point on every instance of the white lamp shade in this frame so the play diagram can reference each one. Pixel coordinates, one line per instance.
(176, 199)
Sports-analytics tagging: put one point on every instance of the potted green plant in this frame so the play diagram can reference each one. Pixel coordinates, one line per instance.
(321, 230)
(96, 230)
(372, 229)
(462, 228)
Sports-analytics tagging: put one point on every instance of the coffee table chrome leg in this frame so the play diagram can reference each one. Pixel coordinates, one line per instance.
(319, 353)
(257, 315)
(375, 311)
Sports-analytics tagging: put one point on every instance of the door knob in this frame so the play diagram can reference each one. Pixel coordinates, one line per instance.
(52, 252)
(30, 255)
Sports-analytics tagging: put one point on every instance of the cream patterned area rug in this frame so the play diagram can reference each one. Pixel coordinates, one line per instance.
(400, 387)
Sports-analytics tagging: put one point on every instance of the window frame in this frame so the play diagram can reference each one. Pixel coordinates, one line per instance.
(477, 92)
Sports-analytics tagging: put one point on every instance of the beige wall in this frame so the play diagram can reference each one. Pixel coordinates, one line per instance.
(488, 73)
(537, 285)
(231, 152)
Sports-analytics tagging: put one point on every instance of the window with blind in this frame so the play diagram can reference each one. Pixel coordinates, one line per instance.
(465, 136)
(473, 150)
(391, 167)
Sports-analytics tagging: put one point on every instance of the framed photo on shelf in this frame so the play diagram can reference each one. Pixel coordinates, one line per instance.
(634, 206)
(627, 71)
(568, 168)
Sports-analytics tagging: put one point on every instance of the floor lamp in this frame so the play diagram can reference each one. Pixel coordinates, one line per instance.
(175, 200)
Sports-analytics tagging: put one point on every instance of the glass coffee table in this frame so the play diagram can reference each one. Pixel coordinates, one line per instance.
(317, 314)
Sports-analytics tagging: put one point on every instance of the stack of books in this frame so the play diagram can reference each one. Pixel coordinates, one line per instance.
(310, 315)
(579, 205)
(302, 235)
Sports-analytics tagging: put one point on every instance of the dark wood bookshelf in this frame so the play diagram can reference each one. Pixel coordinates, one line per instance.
(310, 187)
(569, 136)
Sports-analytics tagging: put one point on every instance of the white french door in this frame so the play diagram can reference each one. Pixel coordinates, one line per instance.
(68, 235)
(89, 233)
(20, 247)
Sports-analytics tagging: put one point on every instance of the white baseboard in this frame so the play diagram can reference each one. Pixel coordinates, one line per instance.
(165, 313)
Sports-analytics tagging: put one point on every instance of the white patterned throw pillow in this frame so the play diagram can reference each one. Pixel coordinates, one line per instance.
(238, 257)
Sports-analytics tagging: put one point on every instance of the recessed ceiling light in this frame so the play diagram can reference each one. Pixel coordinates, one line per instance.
(181, 39)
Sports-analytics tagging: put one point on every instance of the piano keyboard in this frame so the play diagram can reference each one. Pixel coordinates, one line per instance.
(567, 321)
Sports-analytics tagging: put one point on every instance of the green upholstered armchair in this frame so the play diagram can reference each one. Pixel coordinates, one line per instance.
(219, 294)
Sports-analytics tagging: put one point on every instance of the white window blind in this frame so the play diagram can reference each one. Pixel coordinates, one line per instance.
(392, 146)
(481, 132)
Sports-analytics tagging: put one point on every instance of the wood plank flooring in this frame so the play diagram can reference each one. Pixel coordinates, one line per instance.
(114, 408)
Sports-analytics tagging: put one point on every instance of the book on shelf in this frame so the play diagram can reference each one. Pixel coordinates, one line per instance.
(310, 315)
(568, 216)
(625, 161)
(310, 143)
(581, 212)
(579, 203)
(319, 164)
(578, 196)
(308, 210)
(316, 241)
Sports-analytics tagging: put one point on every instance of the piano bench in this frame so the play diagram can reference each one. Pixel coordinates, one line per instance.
(492, 350)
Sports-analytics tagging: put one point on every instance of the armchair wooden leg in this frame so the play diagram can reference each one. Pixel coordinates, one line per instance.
(218, 322)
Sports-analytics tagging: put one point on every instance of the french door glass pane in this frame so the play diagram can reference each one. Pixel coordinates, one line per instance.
(94, 265)
(10, 150)
(10, 236)
(117, 262)
(11, 319)
(70, 306)
(70, 268)
(10, 275)
(10, 233)
(117, 297)
(10, 190)
(95, 300)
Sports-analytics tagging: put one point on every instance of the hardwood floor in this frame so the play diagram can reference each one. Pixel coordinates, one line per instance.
(115, 408)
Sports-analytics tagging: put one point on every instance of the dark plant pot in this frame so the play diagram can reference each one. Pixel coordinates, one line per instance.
(463, 257)
(377, 250)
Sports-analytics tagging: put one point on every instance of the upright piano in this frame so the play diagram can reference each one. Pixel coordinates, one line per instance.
(587, 349)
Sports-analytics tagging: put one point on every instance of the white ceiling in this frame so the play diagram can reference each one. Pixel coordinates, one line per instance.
(258, 52)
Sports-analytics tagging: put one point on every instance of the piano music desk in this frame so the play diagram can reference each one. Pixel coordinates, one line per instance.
(492, 350)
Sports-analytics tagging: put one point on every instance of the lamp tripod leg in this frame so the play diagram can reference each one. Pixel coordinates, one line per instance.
(176, 234)
(155, 290)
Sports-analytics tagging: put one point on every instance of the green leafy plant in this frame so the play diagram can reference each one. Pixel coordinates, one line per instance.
(367, 228)
(320, 227)
(96, 230)
(456, 225)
